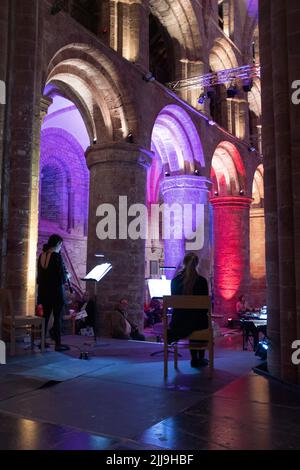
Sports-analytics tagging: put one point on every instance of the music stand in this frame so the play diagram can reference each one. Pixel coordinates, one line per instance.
(95, 275)
(158, 288)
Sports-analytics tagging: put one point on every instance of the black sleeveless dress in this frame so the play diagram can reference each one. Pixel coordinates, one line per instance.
(51, 281)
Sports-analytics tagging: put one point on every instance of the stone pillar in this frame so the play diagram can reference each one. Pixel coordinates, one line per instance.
(280, 137)
(128, 29)
(4, 164)
(231, 252)
(257, 257)
(186, 191)
(117, 169)
(23, 153)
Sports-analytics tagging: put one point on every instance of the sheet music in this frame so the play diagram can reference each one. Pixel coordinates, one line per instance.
(159, 287)
(98, 272)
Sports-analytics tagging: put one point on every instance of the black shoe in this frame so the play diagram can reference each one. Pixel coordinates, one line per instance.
(195, 363)
(199, 363)
(203, 362)
(62, 347)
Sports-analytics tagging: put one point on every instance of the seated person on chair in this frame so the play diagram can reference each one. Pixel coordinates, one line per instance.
(122, 327)
(187, 281)
(89, 305)
(242, 306)
(154, 312)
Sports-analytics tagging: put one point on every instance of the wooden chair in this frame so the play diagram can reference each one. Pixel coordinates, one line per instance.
(205, 338)
(11, 322)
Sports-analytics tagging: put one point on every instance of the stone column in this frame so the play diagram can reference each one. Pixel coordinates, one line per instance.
(117, 169)
(186, 192)
(280, 135)
(257, 257)
(128, 29)
(23, 153)
(5, 17)
(231, 252)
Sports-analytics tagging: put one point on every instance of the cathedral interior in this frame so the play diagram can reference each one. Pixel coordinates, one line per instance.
(110, 108)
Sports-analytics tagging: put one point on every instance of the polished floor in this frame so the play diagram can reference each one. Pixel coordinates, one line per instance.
(118, 399)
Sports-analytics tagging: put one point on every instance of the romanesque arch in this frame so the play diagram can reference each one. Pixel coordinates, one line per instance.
(228, 173)
(175, 179)
(183, 24)
(90, 79)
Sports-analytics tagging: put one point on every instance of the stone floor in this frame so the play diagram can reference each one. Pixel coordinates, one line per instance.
(119, 400)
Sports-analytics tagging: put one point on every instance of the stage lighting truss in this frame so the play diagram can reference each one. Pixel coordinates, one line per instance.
(246, 72)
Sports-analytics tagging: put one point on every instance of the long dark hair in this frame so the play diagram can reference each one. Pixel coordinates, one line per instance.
(53, 241)
(189, 272)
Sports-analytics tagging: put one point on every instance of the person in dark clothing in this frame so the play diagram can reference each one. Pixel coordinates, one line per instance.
(187, 281)
(52, 277)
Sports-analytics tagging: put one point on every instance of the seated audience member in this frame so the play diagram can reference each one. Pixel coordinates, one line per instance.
(242, 306)
(154, 312)
(87, 304)
(187, 281)
(122, 327)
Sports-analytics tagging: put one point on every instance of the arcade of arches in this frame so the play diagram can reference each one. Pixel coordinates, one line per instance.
(85, 123)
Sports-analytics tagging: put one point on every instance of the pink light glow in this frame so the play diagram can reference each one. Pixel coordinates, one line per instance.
(230, 249)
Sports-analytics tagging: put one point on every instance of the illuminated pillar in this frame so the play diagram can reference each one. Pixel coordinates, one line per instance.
(257, 257)
(127, 26)
(117, 169)
(186, 192)
(34, 207)
(231, 251)
(23, 136)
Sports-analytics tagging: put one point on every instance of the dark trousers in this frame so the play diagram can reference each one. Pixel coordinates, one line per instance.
(56, 308)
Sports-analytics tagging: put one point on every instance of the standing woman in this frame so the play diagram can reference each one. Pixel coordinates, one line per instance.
(187, 281)
(51, 293)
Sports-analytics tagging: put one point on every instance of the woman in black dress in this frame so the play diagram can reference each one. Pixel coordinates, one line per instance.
(187, 281)
(52, 276)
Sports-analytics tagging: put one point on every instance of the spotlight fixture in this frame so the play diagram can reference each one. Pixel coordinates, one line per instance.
(148, 77)
(232, 91)
(196, 172)
(94, 140)
(247, 85)
(251, 149)
(210, 93)
(167, 173)
(129, 138)
(262, 348)
(242, 192)
(202, 98)
(216, 193)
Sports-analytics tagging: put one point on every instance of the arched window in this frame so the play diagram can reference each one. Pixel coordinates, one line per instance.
(51, 189)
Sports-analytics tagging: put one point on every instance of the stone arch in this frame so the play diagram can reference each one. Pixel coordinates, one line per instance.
(254, 98)
(222, 56)
(59, 149)
(228, 173)
(258, 187)
(176, 140)
(182, 22)
(89, 79)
